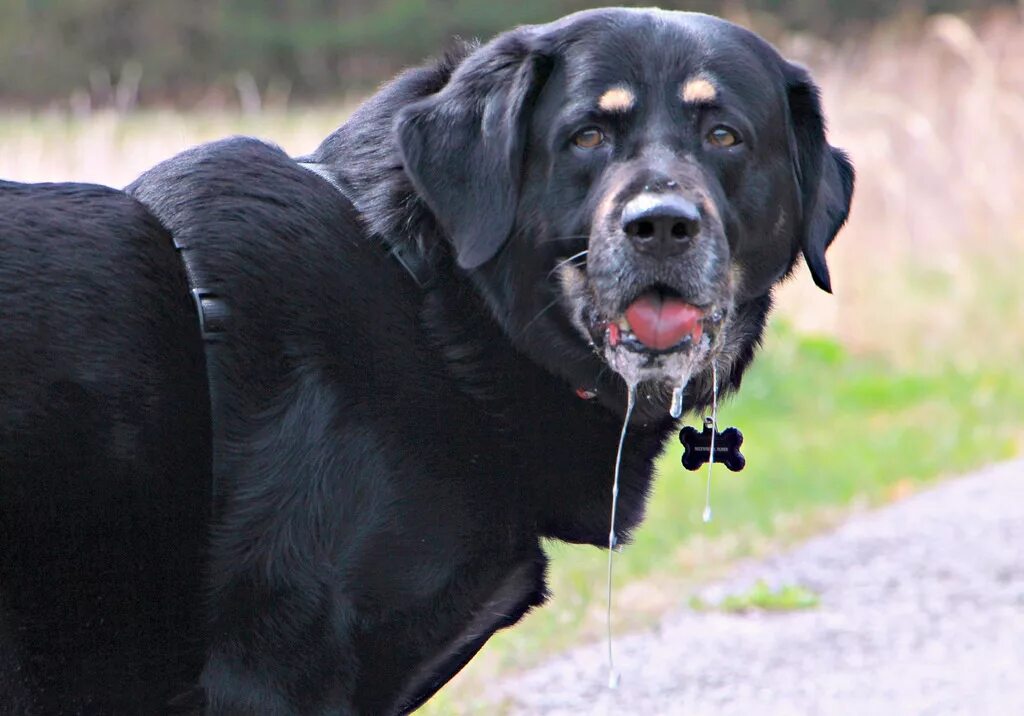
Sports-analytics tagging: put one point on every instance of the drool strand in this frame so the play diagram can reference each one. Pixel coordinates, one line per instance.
(613, 676)
(676, 409)
(714, 429)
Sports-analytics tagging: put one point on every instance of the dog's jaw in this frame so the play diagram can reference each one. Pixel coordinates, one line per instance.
(660, 370)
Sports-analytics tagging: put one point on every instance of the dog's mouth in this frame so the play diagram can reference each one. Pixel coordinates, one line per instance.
(657, 335)
(658, 321)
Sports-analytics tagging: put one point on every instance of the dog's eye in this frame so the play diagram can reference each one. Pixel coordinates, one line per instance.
(722, 136)
(589, 138)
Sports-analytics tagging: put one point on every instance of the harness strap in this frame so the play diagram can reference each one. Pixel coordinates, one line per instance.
(414, 262)
(213, 314)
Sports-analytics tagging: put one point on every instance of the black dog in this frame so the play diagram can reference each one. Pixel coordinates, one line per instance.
(418, 314)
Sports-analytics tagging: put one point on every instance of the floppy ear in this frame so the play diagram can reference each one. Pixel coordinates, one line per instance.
(463, 147)
(824, 174)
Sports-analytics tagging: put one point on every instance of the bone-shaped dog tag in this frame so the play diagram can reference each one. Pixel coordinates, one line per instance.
(697, 446)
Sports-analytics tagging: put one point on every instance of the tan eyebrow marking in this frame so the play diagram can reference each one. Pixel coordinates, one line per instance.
(617, 99)
(698, 90)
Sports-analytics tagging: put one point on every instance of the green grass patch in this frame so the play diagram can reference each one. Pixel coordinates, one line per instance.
(787, 598)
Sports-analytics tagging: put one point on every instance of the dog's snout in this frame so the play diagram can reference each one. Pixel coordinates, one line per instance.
(660, 223)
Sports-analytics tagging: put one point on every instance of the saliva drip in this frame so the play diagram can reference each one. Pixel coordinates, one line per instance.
(714, 429)
(613, 675)
(676, 409)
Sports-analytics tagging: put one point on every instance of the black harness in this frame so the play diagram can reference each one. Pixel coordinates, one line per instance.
(214, 315)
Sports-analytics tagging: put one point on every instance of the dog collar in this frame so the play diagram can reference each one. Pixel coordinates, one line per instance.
(415, 263)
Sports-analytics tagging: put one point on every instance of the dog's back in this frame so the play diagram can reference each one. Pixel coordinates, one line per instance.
(104, 453)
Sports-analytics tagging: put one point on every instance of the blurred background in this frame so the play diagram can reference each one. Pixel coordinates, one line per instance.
(908, 374)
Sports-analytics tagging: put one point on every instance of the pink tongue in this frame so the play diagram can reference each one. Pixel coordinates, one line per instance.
(660, 322)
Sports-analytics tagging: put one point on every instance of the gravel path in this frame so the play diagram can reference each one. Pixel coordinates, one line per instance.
(922, 612)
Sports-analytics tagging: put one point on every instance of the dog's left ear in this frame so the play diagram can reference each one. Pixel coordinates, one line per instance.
(463, 147)
(823, 173)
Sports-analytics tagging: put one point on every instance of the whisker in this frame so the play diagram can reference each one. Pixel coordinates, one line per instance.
(540, 313)
(563, 262)
(570, 237)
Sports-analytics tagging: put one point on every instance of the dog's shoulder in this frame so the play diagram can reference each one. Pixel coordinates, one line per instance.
(252, 217)
(240, 180)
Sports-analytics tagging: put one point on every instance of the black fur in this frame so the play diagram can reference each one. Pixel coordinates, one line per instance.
(392, 454)
(104, 455)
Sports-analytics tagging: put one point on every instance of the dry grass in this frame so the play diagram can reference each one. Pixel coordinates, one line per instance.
(108, 148)
(935, 124)
(934, 119)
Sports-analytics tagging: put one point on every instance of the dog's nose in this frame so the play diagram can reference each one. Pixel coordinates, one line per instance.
(662, 224)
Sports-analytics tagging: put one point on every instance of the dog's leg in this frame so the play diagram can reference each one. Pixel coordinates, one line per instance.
(301, 495)
(280, 649)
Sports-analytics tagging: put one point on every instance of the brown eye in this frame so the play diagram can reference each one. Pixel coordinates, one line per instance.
(589, 138)
(722, 137)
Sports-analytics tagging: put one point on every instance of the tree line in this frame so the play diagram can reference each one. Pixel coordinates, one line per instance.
(124, 52)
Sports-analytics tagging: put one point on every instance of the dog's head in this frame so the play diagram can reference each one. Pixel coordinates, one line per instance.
(631, 183)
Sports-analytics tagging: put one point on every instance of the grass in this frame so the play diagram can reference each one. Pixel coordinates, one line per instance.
(760, 597)
(909, 374)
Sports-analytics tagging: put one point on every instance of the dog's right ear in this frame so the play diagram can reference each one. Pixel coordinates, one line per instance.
(463, 147)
